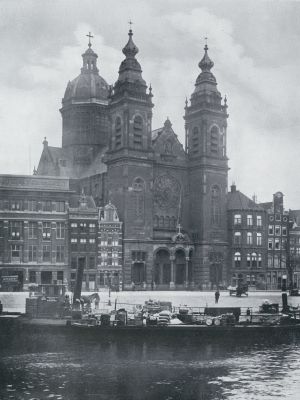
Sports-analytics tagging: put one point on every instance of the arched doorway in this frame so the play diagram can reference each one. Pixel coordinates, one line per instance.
(162, 270)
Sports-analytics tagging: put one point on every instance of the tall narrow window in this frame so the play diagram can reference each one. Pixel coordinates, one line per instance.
(139, 198)
(60, 253)
(249, 220)
(214, 141)
(118, 132)
(60, 230)
(237, 220)
(32, 253)
(254, 260)
(32, 230)
(259, 263)
(195, 140)
(249, 238)
(215, 206)
(237, 260)
(237, 238)
(15, 252)
(258, 239)
(138, 132)
(248, 260)
(46, 230)
(46, 253)
(258, 220)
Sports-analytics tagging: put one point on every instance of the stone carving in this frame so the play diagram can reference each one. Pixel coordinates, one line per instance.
(166, 192)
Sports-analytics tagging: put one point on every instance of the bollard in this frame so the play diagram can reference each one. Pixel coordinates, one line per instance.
(285, 307)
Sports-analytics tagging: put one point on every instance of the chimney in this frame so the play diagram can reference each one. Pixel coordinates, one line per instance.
(233, 188)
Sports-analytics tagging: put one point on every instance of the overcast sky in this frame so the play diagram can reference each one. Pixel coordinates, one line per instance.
(255, 46)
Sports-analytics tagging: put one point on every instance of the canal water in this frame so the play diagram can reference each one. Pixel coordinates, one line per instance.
(63, 367)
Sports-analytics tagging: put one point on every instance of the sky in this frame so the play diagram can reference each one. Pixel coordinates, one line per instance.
(254, 44)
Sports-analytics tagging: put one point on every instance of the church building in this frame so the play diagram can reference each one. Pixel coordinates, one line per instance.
(171, 198)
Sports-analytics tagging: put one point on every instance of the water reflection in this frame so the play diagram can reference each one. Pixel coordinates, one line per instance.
(62, 367)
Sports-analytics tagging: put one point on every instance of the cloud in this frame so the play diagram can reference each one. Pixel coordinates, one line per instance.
(43, 48)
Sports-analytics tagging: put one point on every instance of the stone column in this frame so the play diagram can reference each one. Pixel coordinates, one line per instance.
(145, 275)
(38, 277)
(187, 272)
(161, 272)
(172, 282)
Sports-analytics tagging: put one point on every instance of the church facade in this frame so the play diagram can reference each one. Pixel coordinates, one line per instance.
(170, 198)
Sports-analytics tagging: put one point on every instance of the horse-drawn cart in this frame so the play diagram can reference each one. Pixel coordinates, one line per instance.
(238, 291)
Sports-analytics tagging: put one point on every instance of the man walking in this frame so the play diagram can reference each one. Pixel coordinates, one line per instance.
(217, 296)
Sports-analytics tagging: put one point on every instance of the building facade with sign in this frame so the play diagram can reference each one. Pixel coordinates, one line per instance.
(33, 231)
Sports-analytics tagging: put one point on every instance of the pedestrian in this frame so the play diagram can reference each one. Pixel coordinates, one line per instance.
(217, 296)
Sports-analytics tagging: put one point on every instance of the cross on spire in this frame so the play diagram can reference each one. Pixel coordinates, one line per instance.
(90, 36)
(205, 47)
(130, 24)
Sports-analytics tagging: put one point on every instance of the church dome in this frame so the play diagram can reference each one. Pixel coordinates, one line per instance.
(89, 86)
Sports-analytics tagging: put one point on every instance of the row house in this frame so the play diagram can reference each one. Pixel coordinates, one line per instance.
(83, 227)
(278, 233)
(247, 237)
(294, 249)
(110, 248)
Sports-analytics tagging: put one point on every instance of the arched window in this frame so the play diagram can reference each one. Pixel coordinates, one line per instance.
(155, 222)
(249, 238)
(139, 197)
(215, 206)
(195, 140)
(254, 260)
(237, 260)
(214, 140)
(237, 220)
(259, 258)
(237, 238)
(248, 260)
(138, 132)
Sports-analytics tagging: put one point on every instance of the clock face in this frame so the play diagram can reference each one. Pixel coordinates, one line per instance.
(166, 192)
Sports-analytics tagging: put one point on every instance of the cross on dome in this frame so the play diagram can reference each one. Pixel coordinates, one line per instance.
(90, 36)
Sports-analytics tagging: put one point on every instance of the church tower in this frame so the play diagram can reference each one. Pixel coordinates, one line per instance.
(85, 109)
(206, 124)
(130, 164)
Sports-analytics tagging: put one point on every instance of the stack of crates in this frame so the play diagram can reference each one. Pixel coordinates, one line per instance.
(32, 307)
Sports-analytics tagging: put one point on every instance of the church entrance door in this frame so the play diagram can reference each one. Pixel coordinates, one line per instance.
(138, 273)
(162, 275)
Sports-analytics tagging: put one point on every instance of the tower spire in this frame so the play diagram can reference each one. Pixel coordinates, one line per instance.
(89, 58)
(130, 50)
(206, 63)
